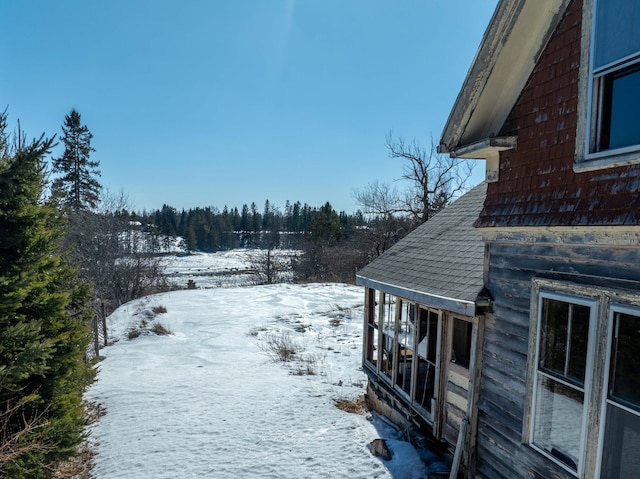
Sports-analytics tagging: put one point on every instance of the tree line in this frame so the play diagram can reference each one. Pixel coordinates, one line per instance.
(209, 229)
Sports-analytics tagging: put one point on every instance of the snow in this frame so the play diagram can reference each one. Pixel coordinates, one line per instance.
(207, 401)
(213, 270)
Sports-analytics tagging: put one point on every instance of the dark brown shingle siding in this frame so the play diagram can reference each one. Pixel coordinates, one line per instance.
(537, 184)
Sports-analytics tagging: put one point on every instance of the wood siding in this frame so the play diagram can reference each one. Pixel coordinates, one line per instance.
(503, 388)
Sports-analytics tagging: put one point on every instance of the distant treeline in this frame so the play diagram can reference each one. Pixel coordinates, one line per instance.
(209, 229)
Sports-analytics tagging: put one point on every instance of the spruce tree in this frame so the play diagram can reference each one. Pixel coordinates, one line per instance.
(77, 186)
(43, 323)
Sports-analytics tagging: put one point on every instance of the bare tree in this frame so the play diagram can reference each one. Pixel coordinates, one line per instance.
(269, 264)
(435, 179)
(115, 255)
(432, 181)
(380, 200)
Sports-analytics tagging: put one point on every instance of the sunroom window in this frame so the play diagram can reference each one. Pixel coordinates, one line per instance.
(615, 78)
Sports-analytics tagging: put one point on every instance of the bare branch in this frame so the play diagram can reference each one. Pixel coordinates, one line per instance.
(380, 199)
(435, 179)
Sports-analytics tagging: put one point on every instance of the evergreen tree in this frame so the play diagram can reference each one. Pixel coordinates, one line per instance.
(245, 220)
(326, 225)
(77, 187)
(43, 324)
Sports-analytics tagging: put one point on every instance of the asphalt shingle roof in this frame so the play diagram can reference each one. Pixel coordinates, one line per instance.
(440, 263)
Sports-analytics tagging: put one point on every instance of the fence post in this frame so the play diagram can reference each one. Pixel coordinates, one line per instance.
(96, 339)
(104, 323)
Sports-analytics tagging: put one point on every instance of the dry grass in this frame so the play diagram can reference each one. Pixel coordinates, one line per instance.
(79, 466)
(279, 346)
(159, 309)
(160, 329)
(354, 406)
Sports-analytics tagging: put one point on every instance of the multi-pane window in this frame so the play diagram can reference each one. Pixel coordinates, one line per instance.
(561, 378)
(406, 331)
(621, 439)
(371, 343)
(427, 357)
(388, 314)
(461, 342)
(615, 77)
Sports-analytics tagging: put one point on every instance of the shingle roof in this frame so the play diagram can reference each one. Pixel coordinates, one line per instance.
(440, 263)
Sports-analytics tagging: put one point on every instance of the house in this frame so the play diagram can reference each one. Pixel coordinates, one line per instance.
(550, 103)
(424, 302)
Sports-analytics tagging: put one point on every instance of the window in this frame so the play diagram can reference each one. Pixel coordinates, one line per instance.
(388, 314)
(406, 332)
(621, 414)
(461, 342)
(584, 381)
(371, 334)
(561, 378)
(614, 79)
(427, 358)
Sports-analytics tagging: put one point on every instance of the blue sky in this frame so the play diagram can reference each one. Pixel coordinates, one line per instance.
(212, 103)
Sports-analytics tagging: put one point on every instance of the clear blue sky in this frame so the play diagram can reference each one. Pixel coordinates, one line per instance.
(213, 102)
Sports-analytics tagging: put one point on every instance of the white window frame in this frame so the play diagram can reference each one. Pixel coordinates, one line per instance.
(613, 309)
(589, 120)
(592, 303)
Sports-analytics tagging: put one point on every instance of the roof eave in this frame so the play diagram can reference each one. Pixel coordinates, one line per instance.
(459, 306)
(510, 48)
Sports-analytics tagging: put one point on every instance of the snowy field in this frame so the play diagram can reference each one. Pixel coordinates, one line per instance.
(208, 400)
(212, 270)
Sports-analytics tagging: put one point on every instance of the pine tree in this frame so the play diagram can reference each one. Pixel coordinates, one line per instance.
(77, 187)
(43, 318)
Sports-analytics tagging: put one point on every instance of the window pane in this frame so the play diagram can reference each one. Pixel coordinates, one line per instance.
(405, 347)
(617, 35)
(621, 449)
(624, 381)
(428, 335)
(387, 355)
(425, 387)
(558, 420)
(620, 109)
(461, 342)
(372, 344)
(564, 337)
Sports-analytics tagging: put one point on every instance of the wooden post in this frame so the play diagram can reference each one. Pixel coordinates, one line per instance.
(104, 323)
(96, 339)
(457, 457)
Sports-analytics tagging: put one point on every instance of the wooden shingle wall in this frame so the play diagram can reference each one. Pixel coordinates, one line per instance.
(537, 185)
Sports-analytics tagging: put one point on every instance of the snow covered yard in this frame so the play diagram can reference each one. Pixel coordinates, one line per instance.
(208, 401)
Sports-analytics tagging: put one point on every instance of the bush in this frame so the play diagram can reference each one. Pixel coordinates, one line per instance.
(279, 346)
(160, 330)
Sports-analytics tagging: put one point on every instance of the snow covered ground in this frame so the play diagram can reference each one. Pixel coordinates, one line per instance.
(213, 270)
(208, 401)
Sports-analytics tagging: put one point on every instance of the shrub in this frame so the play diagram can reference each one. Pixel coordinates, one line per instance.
(159, 309)
(160, 329)
(279, 346)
